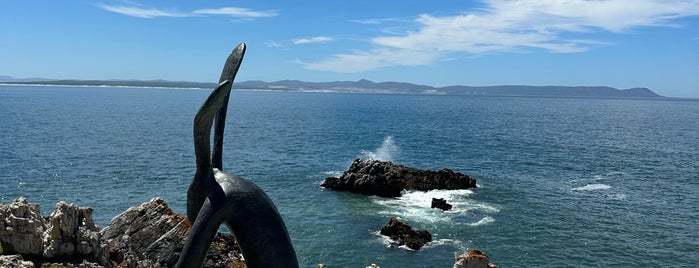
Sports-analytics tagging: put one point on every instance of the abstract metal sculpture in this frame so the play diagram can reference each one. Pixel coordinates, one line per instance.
(216, 197)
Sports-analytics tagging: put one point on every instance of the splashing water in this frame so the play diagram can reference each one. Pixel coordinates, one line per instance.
(388, 151)
(593, 187)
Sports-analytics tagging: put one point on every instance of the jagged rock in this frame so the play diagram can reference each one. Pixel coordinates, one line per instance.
(386, 179)
(14, 261)
(71, 233)
(402, 234)
(152, 235)
(473, 259)
(440, 203)
(21, 228)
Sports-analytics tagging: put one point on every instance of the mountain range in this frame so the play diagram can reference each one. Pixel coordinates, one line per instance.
(366, 86)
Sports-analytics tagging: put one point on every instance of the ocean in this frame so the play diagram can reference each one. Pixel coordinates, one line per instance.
(563, 182)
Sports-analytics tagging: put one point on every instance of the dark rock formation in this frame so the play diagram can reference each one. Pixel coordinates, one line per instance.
(473, 259)
(150, 235)
(374, 177)
(440, 203)
(402, 234)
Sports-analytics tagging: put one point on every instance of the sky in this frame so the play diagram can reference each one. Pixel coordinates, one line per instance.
(617, 43)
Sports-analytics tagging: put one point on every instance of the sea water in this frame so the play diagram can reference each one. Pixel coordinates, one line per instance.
(562, 182)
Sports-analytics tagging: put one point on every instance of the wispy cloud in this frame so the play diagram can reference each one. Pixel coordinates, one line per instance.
(317, 39)
(377, 21)
(237, 12)
(148, 13)
(504, 26)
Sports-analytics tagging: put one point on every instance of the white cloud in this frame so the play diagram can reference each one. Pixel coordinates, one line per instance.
(273, 44)
(148, 13)
(138, 12)
(504, 26)
(317, 39)
(237, 12)
(373, 59)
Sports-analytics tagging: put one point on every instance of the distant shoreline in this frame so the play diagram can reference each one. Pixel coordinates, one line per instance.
(369, 87)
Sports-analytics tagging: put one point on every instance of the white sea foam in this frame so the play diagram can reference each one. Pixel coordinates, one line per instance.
(617, 196)
(388, 151)
(592, 187)
(414, 206)
(485, 220)
(333, 173)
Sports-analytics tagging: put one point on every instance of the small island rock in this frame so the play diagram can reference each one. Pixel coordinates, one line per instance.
(386, 179)
(440, 203)
(402, 234)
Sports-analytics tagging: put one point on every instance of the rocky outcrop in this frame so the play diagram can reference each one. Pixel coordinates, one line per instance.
(440, 203)
(21, 228)
(153, 235)
(150, 235)
(386, 179)
(14, 261)
(71, 233)
(473, 259)
(402, 234)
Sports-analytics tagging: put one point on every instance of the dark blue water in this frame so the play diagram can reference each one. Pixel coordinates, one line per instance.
(563, 182)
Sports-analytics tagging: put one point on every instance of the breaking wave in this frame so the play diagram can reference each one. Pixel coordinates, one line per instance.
(592, 187)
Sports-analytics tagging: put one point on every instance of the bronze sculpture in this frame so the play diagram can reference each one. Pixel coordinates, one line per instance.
(216, 197)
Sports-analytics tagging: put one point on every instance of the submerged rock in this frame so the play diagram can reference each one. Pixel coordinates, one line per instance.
(402, 234)
(473, 259)
(440, 203)
(386, 179)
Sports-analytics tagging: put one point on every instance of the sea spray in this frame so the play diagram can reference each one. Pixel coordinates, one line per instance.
(388, 151)
(414, 206)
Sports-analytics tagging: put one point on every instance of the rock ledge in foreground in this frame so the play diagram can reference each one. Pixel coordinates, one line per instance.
(473, 259)
(386, 179)
(149, 235)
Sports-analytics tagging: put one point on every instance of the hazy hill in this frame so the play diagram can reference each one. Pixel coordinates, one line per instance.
(508, 90)
(367, 86)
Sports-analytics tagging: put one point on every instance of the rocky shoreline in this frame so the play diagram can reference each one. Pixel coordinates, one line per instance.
(150, 235)
(153, 235)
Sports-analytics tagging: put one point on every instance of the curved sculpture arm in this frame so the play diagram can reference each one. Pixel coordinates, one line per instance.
(203, 178)
(230, 69)
(214, 107)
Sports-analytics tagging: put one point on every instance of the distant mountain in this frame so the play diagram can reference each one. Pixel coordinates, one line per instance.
(7, 78)
(408, 88)
(366, 86)
(552, 91)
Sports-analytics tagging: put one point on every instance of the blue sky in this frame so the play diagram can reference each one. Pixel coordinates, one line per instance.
(618, 43)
